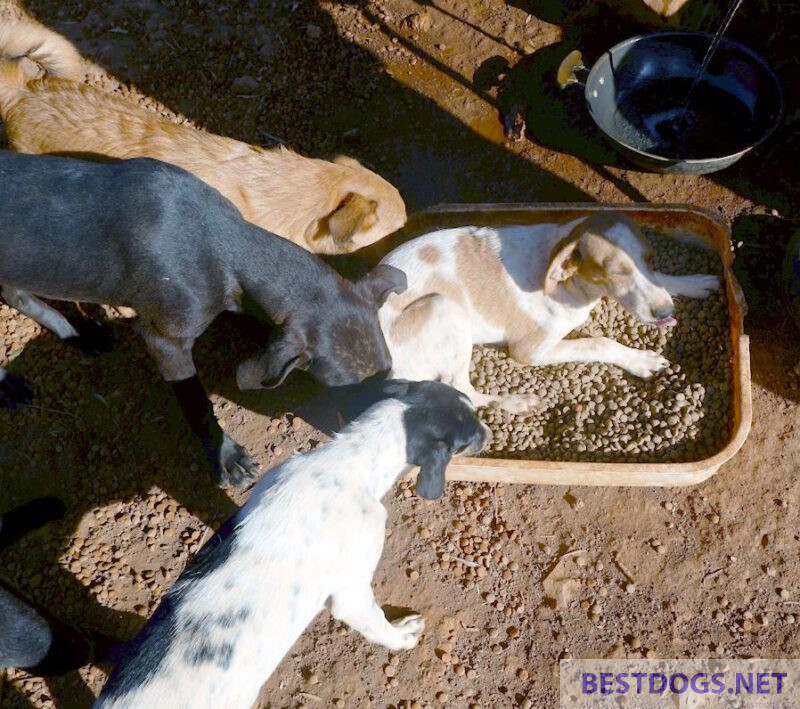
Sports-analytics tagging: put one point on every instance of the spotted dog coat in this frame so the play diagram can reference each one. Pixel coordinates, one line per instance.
(526, 287)
(312, 532)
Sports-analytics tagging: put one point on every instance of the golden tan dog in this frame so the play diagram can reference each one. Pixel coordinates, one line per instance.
(326, 207)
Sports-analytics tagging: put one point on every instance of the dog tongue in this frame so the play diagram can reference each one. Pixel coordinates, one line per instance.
(666, 322)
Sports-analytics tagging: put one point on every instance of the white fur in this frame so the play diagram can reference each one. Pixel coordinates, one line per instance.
(442, 348)
(39, 311)
(312, 531)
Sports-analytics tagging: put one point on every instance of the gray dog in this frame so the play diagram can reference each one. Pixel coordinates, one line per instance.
(150, 236)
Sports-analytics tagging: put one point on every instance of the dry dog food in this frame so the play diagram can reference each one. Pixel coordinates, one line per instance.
(600, 413)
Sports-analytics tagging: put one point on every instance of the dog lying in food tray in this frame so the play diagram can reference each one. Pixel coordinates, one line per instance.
(591, 422)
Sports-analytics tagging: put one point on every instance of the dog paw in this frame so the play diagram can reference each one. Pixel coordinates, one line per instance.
(522, 404)
(93, 337)
(233, 466)
(408, 632)
(14, 392)
(645, 363)
(697, 286)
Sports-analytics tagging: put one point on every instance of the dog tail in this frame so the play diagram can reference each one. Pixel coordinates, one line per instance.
(46, 52)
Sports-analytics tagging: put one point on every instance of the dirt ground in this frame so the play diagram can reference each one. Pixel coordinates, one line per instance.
(417, 91)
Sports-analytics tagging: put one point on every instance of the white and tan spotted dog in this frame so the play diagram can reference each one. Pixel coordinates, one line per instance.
(526, 287)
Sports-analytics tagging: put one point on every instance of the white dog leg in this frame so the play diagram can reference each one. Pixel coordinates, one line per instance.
(700, 285)
(35, 309)
(356, 606)
(642, 363)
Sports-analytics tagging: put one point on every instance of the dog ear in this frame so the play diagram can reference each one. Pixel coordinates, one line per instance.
(355, 212)
(347, 161)
(269, 369)
(381, 281)
(565, 258)
(432, 465)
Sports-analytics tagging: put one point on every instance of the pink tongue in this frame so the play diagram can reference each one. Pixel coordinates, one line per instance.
(666, 322)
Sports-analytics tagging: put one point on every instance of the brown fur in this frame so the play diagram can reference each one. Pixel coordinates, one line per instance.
(487, 283)
(413, 319)
(483, 280)
(429, 254)
(588, 253)
(326, 207)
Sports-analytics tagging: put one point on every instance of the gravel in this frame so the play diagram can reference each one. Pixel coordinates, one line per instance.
(598, 412)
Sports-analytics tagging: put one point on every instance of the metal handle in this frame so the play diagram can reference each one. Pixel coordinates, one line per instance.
(569, 69)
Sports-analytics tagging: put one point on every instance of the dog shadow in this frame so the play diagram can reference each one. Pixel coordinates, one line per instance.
(761, 242)
(389, 127)
(111, 430)
(557, 118)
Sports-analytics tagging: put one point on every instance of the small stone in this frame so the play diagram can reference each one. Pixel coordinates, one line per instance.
(783, 593)
(522, 674)
(389, 670)
(630, 588)
(636, 643)
(442, 697)
(313, 678)
(245, 85)
(313, 31)
(413, 574)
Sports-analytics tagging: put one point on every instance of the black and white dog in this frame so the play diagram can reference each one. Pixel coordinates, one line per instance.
(30, 638)
(150, 236)
(312, 532)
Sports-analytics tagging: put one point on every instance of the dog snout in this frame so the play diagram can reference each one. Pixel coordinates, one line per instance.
(481, 439)
(663, 312)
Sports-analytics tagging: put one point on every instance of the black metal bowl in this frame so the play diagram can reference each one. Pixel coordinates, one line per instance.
(636, 93)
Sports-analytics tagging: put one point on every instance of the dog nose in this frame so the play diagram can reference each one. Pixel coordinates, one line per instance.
(485, 437)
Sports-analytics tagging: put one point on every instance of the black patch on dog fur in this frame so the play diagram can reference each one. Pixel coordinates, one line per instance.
(142, 657)
(438, 423)
(219, 654)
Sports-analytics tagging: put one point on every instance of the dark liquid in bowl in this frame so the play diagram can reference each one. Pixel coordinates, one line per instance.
(715, 124)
